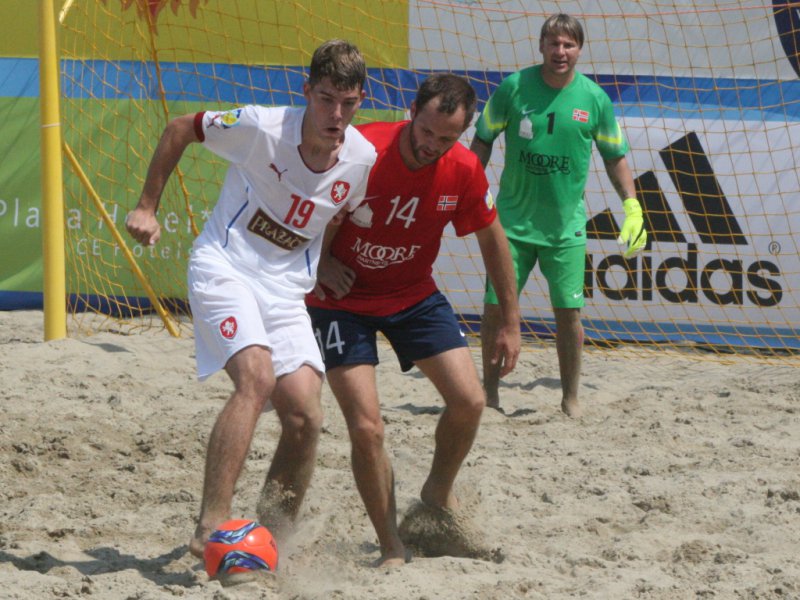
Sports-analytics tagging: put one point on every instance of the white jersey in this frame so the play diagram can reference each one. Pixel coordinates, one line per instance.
(273, 209)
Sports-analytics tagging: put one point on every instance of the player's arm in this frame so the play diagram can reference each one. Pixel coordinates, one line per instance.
(483, 150)
(332, 275)
(633, 233)
(141, 222)
(500, 269)
(619, 173)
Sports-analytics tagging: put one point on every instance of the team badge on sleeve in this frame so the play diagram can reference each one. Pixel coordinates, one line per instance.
(489, 200)
(339, 191)
(225, 120)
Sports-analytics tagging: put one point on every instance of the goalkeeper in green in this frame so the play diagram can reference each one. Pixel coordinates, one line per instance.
(551, 116)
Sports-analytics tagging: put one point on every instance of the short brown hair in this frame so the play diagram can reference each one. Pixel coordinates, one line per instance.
(452, 90)
(562, 24)
(340, 61)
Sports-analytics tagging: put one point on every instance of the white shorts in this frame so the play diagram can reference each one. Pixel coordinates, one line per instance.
(232, 311)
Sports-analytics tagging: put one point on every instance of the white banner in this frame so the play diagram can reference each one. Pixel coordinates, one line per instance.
(753, 278)
(707, 96)
(704, 38)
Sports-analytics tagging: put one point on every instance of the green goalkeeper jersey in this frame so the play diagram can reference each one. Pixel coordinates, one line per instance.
(548, 135)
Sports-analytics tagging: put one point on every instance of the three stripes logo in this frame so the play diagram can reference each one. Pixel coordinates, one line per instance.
(697, 185)
(787, 20)
(711, 217)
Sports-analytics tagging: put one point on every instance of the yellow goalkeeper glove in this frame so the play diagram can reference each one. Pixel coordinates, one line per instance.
(633, 232)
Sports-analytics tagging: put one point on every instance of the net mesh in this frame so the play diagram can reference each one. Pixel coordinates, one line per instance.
(706, 94)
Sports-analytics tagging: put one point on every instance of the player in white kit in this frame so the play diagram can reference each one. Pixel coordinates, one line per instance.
(292, 170)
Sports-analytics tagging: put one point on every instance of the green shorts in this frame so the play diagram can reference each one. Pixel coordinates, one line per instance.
(563, 268)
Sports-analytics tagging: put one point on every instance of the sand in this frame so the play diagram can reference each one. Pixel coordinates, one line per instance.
(682, 479)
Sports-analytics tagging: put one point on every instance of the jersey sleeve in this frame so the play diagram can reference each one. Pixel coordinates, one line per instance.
(493, 120)
(360, 151)
(609, 139)
(478, 210)
(357, 193)
(229, 134)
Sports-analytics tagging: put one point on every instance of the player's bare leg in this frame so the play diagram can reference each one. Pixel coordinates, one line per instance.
(296, 400)
(490, 324)
(454, 375)
(355, 389)
(229, 442)
(569, 345)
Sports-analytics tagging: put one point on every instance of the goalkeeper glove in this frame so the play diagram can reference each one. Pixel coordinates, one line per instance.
(633, 232)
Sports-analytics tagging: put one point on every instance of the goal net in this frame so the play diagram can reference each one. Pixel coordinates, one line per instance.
(707, 94)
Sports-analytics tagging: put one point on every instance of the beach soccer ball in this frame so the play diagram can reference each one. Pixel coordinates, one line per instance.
(238, 546)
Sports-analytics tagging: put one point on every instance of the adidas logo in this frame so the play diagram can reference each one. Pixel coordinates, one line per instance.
(697, 185)
(722, 281)
(787, 20)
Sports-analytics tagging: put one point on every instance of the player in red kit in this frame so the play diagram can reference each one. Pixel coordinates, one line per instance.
(378, 277)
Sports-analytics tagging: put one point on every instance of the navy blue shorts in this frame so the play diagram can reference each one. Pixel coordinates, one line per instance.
(426, 329)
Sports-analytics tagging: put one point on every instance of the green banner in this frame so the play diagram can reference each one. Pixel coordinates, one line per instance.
(20, 197)
(112, 124)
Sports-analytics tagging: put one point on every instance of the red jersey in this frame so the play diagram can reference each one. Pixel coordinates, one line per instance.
(392, 239)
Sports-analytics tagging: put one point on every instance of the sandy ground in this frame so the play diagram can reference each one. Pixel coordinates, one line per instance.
(682, 480)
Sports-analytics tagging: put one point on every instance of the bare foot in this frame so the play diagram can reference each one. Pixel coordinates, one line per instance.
(496, 407)
(393, 559)
(571, 408)
(197, 544)
(434, 498)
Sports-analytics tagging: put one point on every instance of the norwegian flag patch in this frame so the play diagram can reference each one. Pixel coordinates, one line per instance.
(339, 191)
(580, 115)
(447, 203)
